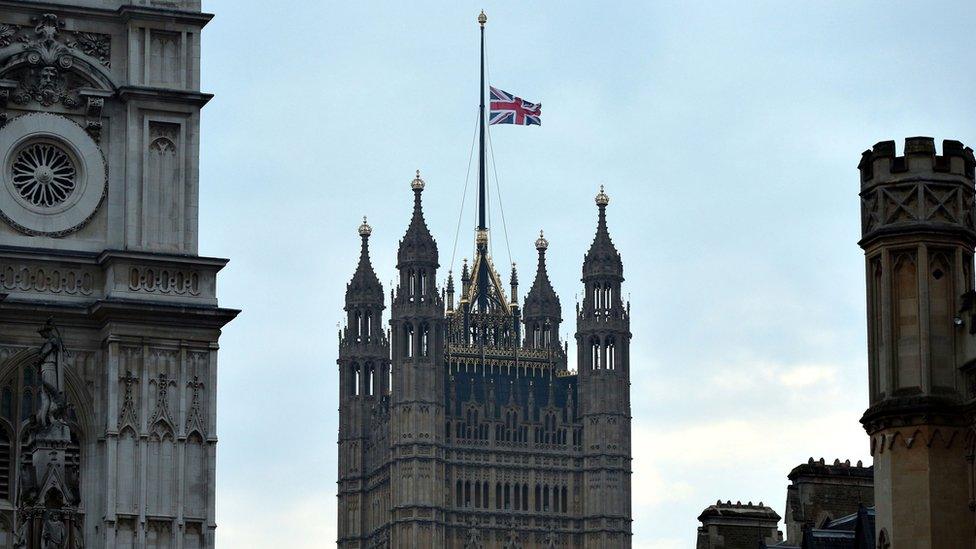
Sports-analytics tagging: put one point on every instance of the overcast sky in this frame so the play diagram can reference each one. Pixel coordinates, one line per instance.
(727, 135)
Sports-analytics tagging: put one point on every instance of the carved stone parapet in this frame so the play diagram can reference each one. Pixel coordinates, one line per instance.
(40, 278)
(111, 275)
(917, 191)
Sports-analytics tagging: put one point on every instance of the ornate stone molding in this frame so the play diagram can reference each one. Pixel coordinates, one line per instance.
(164, 281)
(890, 440)
(51, 280)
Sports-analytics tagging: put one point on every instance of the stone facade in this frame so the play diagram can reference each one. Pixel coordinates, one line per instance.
(738, 526)
(99, 143)
(918, 236)
(820, 492)
(461, 426)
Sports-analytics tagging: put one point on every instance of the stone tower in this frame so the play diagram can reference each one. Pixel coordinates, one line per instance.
(918, 238)
(484, 438)
(603, 351)
(417, 328)
(99, 149)
(364, 366)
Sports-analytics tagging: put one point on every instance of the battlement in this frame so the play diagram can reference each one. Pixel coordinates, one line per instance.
(740, 510)
(820, 468)
(880, 162)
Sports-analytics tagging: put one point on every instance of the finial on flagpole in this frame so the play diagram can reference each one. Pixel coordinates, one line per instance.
(482, 19)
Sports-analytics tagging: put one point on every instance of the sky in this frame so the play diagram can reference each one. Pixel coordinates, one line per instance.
(727, 135)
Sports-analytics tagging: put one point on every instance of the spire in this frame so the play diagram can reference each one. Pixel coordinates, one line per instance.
(365, 286)
(450, 291)
(542, 301)
(417, 245)
(602, 259)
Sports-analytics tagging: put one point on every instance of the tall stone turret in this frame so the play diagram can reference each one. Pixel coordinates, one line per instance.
(364, 365)
(543, 312)
(603, 351)
(918, 238)
(418, 327)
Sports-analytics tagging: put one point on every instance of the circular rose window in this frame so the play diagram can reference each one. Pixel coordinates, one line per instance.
(54, 175)
(44, 174)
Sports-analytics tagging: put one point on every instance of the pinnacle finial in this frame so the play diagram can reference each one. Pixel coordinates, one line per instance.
(417, 184)
(601, 198)
(541, 243)
(482, 18)
(365, 229)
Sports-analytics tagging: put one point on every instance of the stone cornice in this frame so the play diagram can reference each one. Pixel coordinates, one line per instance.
(912, 410)
(169, 95)
(127, 13)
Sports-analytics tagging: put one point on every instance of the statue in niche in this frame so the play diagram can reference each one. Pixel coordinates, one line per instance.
(54, 535)
(550, 541)
(513, 538)
(52, 352)
(474, 539)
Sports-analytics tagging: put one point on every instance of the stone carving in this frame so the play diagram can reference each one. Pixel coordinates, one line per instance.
(127, 413)
(44, 174)
(51, 409)
(473, 540)
(93, 117)
(164, 281)
(49, 50)
(162, 412)
(48, 506)
(37, 279)
(194, 417)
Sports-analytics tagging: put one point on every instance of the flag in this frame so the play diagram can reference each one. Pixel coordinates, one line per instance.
(508, 109)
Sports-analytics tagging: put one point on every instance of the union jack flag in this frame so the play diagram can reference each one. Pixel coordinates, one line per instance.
(508, 109)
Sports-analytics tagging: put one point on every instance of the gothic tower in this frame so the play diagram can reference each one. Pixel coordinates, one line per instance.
(603, 358)
(418, 327)
(918, 238)
(543, 312)
(100, 106)
(364, 367)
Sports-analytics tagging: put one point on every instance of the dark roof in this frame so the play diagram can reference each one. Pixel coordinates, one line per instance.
(820, 468)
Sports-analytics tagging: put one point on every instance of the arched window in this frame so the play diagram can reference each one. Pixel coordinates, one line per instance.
(356, 375)
(563, 497)
(370, 379)
(498, 495)
(411, 285)
(508, 496)
(423, 285)
(425, 340)
(477, 494)
(484, 495)
(595, 354)
(467, 493)
(369, 326)
(609, 353)
(459, 495)
(408, 340)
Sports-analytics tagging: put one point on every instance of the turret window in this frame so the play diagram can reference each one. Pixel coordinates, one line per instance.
(354, 389)
(595, 363)
(425, 340)
(370, 379)
(408, 340)
(423, 285)
(368, 331)
(609, 351)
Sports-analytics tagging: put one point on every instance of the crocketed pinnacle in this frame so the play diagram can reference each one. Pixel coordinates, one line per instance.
(542, 301)
(602, 259)
(365, 287)
(417, 245)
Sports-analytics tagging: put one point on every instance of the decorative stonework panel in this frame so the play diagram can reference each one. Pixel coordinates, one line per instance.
(53, 280)
(164, 191)
(164, 281)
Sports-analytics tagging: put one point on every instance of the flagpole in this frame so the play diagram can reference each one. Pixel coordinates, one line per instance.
(482, 239)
